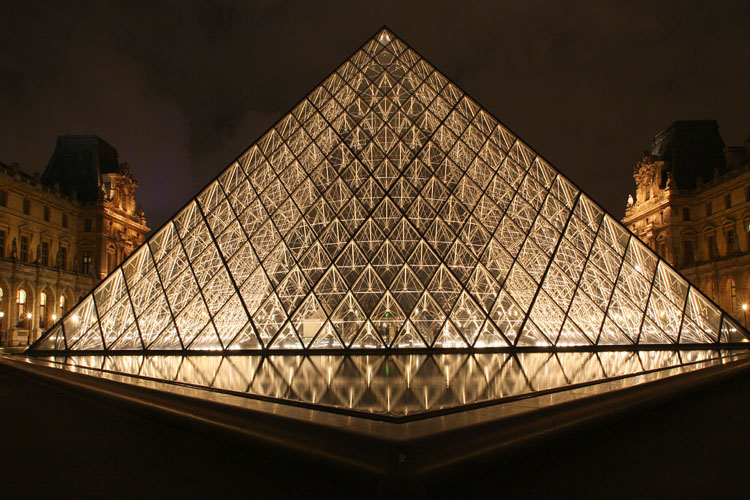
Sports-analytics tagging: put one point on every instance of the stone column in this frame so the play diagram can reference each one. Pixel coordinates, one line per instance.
(34, 326)
(12, 313)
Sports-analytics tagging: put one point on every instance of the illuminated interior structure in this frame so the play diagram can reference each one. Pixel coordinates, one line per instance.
(389, 210)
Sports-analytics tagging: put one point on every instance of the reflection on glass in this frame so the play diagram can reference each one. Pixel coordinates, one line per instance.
(396, 385)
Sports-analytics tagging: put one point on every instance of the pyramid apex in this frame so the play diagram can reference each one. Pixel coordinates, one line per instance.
(384, 35)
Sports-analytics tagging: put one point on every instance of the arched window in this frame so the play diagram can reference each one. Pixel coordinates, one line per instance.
(21, 302)
(62, 304)
(43, 310)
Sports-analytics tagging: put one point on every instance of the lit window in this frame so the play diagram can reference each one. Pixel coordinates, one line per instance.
(43, 310)
(86, 262)
(21, 304)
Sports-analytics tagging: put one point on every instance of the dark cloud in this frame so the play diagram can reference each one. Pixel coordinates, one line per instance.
(181, 88)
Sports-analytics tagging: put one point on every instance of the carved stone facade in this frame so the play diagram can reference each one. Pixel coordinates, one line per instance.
(58, 236)
(692, 207)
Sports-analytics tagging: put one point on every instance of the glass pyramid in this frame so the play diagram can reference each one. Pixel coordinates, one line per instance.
(389, 210)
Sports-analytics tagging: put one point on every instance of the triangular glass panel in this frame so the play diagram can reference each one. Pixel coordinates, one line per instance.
(286, 339)
(246, 339)
(207, 340)
(450, 338)
(468, 317)
(731, 332)
(327, 338)
(408, 337)
(490, 336)
(90, 341)
(387, 318)
(428, 318)
(309, 319)
(347, 319)
(167, 340)
(387, 262)
(368, 338)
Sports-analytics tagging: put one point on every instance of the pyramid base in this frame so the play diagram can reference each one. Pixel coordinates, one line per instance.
(397, 451)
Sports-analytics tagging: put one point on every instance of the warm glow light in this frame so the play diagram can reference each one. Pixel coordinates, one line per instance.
(2, 314)
(28, 315)
(441, 267)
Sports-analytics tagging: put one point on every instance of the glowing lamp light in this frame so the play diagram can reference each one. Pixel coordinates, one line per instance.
(744, 307)
(2, 314)
(28, 315)
(54, 317)
(74, 319)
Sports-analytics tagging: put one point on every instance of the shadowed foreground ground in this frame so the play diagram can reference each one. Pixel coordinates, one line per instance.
(56, 444)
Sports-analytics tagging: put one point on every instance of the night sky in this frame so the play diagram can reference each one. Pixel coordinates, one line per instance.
(182, 88)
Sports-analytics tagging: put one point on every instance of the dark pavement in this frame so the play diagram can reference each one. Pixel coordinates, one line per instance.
(59, 444)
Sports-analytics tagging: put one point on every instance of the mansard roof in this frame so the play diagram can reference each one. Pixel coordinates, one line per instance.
(78, 163)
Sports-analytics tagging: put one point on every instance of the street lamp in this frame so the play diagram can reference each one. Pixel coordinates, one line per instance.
(744, 308)
(28, 335)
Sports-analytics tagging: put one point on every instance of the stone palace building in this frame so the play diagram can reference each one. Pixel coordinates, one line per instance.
(692, 206)
(62, 232)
